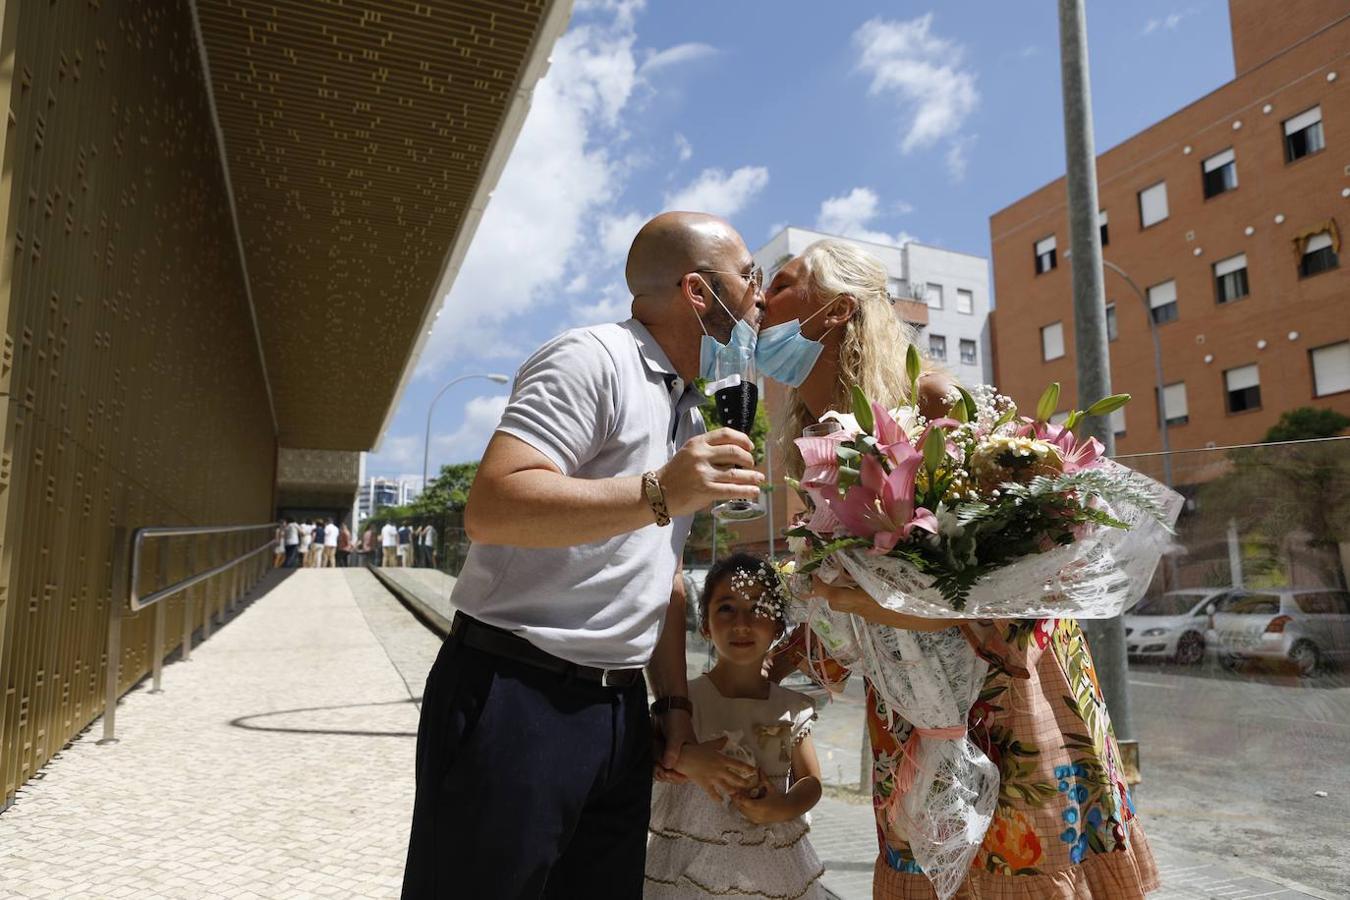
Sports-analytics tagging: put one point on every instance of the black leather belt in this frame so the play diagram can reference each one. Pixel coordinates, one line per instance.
(500, 642)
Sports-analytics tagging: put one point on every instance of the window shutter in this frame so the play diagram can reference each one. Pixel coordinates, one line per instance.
(1241, 378)
(1303, 120)
(1162, 294)
(1230, 265)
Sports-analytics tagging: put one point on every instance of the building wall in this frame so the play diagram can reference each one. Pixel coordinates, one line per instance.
(1259, 32)
(1281, 321)
(130, 381)
(954, 271)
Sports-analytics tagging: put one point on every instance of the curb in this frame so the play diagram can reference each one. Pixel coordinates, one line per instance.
(432, 619)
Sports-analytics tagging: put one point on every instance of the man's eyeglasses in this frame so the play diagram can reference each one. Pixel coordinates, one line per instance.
(754, 276)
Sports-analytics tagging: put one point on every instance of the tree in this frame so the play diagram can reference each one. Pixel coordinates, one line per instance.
(1290, 495)
(1307, 423)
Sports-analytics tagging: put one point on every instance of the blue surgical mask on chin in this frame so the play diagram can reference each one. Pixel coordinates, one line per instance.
(784, 354)
(718, 360)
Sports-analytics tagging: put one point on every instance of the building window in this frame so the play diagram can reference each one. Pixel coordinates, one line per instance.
(1162, 302)
(937, 347)
(935, 295)
(1118, 422)
(1101, 225)
(1243, 385)
(1303, 134)
(1318, 256)
(1045, 255)
(1230, 278)
(1111, 332)
(1219, 173)
(1331, 369)
(968, 352)
(965, 302)
(1173, 406)
(895, 287)
(1052, 341)
(1153, 204)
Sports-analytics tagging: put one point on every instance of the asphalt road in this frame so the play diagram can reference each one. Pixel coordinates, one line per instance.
(1232, 765)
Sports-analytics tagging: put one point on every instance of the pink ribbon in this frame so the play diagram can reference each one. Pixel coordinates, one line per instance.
(908, 770)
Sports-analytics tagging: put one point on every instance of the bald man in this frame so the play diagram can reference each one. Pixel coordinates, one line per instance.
(535, 749)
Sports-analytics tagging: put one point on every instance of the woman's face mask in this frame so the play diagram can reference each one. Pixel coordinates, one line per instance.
(784, 354)
(717, 360)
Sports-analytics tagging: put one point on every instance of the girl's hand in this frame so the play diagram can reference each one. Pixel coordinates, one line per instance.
(763, 804)
(718, 774)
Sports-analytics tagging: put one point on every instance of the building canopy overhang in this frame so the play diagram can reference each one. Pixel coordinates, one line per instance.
(361, 141)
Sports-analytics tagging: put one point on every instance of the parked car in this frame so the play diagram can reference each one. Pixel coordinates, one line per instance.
(1309, 627)
(1171, 625)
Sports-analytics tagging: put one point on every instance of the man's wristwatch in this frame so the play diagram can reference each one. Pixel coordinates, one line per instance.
(656, 497)
(666, 704)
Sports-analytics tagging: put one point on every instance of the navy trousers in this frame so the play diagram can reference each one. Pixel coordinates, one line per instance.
(528, 785)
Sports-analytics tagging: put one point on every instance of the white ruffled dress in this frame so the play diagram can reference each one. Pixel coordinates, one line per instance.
(698, 847)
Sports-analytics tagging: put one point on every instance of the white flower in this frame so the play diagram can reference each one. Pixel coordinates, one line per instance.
(948, 524)
(797, 545)
(848, 420)
(908, 420)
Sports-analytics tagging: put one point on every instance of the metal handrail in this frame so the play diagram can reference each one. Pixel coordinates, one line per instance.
(135, 602)
(138, 603)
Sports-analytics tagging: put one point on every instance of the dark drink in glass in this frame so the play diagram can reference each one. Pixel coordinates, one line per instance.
(736, 404)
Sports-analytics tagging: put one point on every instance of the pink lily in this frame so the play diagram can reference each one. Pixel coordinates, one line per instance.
(881, 505)
(1077, 455)
(820, 477)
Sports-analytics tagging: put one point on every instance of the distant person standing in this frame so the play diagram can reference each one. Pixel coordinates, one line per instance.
(344, 545)
(279, 553)
(428, 543)
(330, 545)
(292, 543)
(389, 544)
(405, 543)
(306, 540)
(368, 546)
(316, 545)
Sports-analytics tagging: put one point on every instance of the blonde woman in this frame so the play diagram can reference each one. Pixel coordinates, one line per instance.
(1064, 826)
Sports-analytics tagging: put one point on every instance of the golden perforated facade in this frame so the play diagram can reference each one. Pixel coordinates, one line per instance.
(167, 309)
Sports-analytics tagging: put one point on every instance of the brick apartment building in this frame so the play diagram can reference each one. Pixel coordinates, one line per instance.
(1229, 216)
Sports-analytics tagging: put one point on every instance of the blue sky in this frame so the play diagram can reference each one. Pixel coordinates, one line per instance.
(882, 120)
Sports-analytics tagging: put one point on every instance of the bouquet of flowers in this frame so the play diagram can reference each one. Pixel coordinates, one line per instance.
(982, 514)
(921, 513)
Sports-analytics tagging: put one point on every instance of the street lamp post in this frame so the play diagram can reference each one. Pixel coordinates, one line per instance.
(1157, 367)
(426, 443)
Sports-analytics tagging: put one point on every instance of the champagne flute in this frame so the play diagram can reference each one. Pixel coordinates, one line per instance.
(736, 397)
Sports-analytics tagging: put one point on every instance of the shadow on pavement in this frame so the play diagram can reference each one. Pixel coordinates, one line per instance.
(246, 722)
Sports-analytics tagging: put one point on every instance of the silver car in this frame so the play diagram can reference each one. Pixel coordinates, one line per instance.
(1309, 627)
(1171, 625)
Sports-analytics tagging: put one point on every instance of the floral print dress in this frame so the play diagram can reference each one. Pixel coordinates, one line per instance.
(1064, 826)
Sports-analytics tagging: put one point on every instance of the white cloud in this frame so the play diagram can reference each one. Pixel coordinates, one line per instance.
(617, 233)
(851, 215)
(683, 147)
(679, 55)
(716, 192)
(529, 236)
(613, 304)
(467, 442)
(958, 155)
(1168, 22)
(925, 73)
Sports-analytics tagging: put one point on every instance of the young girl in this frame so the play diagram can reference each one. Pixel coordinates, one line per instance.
(750, 840)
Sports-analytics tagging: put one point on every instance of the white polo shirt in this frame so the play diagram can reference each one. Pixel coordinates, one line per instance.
(330, 535)
(599, 402)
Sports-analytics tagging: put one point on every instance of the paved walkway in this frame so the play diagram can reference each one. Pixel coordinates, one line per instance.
(278, 763)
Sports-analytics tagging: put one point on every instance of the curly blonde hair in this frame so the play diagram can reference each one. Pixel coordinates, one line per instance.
(875, 341)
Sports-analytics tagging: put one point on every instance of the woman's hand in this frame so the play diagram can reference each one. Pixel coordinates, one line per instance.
(718, 774)
(857, 602)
